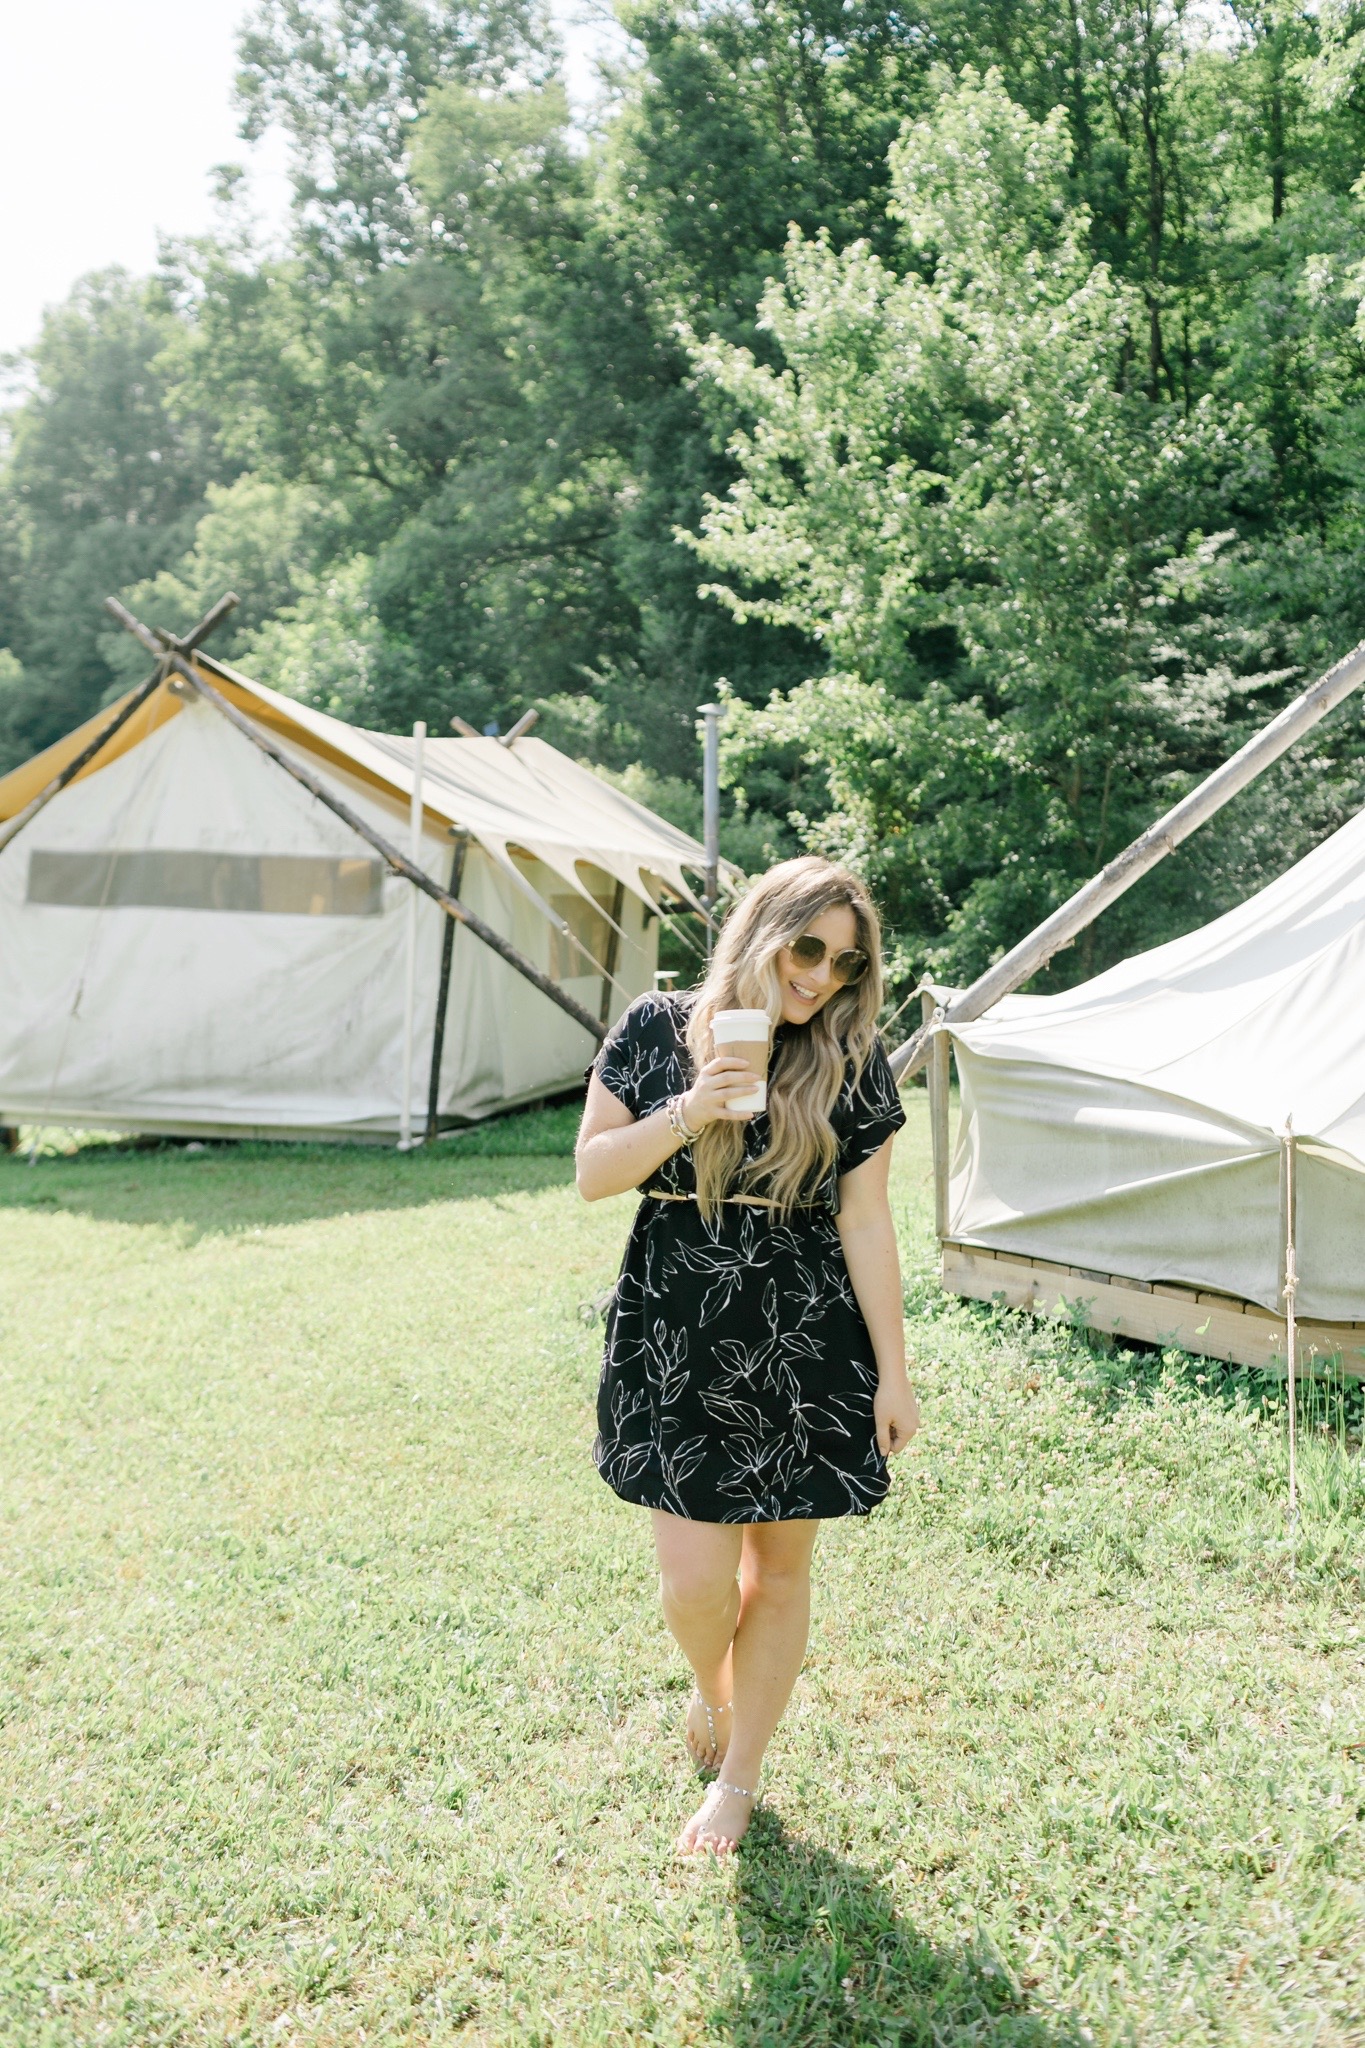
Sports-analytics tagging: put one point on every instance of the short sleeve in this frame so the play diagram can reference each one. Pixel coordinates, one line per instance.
(872, 1112)
(638, 1057)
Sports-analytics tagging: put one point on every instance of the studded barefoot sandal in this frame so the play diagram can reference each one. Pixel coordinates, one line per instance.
(709, 1761)
(702, 1835)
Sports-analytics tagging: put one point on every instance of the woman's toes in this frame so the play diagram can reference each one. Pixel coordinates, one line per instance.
(690, 1840)
(719, 1823)
(707, 1732)
(698, 1734)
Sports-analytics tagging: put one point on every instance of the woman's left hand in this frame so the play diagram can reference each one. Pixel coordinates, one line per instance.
(895, 1411)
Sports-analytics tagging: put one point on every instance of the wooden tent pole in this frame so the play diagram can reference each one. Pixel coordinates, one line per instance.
(196, 636)
(1032, 953)
(116, 724)
(398, 862)
(438, 1036)
(1289, 1239)
(82, 760)
(618, 905)
(415, 816)
(939, 1104)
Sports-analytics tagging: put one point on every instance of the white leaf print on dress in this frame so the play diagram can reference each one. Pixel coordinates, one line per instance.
(739, 1374)
(667, 1368)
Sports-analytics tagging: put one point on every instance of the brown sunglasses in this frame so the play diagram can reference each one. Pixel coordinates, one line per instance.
(850, 965)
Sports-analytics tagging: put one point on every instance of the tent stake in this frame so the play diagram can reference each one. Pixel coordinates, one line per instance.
(398, 862)
(1032, 953)
(120, 718)
(419, 741)
(438, 1036)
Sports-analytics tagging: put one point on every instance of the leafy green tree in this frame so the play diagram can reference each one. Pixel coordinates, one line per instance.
(347, 79)
(737, 121)
(14, 709)
(101, 484)
(453, 408)
(745, 120)
(328, 648)
(1033, 484)
(951, 488)
(255, 538)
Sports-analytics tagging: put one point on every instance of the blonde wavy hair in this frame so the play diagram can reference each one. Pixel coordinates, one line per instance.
(804, 1083)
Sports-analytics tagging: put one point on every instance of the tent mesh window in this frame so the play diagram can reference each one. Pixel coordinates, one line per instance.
(165, 878)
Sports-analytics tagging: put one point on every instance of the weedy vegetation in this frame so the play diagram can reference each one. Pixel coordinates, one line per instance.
(335, 1705)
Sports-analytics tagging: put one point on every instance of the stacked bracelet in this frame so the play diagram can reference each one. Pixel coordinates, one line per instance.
(677, 1122)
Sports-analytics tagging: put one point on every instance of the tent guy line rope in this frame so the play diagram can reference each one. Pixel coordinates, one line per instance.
(398, 862)
(565, 930)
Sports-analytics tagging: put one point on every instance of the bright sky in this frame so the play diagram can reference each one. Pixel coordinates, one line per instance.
(112, 115)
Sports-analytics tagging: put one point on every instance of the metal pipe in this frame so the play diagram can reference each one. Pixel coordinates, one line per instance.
(711, 715)
(1032, 953)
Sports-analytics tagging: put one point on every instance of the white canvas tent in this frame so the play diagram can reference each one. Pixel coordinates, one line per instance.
(1121, 1145)
(190, 942)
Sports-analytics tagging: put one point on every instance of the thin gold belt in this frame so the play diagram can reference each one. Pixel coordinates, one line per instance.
(749, 1201)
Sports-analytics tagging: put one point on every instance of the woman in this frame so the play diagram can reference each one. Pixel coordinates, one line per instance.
(754, 1380)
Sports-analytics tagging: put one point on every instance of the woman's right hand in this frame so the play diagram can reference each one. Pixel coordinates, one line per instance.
(707, 1101)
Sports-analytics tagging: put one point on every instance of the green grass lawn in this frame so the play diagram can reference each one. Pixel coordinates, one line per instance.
(335, 1705)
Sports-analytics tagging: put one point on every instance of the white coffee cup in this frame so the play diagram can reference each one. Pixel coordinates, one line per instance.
(745, 1035)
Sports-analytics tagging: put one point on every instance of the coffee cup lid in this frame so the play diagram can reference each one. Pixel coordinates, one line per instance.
(741, 1023)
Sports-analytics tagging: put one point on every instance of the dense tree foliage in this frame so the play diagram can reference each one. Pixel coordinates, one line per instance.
(1014, 554)
(975, 394)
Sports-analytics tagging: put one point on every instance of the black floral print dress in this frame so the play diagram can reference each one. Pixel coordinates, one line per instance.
(739, 1373)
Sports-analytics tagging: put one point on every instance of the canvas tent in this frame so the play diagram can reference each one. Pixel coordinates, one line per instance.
(1121, 1146)
(191, 942)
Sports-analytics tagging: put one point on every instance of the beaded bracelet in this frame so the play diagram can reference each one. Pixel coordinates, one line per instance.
(677, 1122)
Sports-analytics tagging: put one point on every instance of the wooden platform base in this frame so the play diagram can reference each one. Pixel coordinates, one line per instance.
(1212, 1325)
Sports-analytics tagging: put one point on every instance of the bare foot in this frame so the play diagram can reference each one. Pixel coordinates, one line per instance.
(708, 1732)
(721, 1822)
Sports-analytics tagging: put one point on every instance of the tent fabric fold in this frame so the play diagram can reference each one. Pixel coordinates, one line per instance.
(1134, 1125)
(503, 795)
